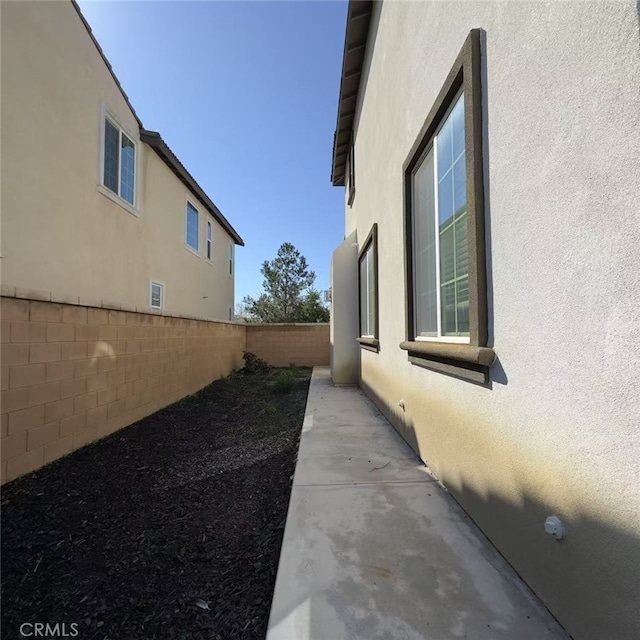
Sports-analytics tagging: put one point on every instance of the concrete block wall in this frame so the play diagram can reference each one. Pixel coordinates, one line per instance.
(284, 344)
(72, 374)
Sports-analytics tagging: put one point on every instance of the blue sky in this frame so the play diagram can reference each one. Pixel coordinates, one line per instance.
(245, 93)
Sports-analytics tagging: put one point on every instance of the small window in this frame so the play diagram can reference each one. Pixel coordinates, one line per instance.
(351, 171)
(230, 313)
(368, 290)
(192, 226)
(119, 162)
(156, 295)
(231, 259)
(444, 229)
(209, 240)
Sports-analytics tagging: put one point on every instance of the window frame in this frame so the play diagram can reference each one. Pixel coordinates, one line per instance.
(153, 283)
(196, 251)
(208, 242)
(370, 342)
(133, 208)
(232, 262)
(468, 358)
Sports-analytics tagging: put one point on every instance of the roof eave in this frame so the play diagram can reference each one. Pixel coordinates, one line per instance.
(355, 44)
(155, 141)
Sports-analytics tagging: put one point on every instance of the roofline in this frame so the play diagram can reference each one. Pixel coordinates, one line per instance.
(359, 11)
(154, 140)
(106, 61)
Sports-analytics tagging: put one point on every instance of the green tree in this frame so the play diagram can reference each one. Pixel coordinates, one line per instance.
(312, 309)
(286, 278)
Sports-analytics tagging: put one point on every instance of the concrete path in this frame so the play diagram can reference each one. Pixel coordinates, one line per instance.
(375, 549)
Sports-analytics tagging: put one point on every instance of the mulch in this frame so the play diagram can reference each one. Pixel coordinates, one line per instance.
(170, 528)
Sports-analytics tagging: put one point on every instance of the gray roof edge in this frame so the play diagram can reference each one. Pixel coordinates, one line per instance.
(105, 60)
(156, 142)
(358, 10)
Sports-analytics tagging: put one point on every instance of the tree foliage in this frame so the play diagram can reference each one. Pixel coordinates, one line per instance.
(288, 295)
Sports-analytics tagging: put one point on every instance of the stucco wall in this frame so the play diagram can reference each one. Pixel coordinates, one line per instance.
(59, 233)
(557, 431)
(283, 344)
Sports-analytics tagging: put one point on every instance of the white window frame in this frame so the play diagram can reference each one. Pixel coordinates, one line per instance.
(189, 201)
(208, 243)
(433, 145)
(232, 265)
(153, 283)
(134, 209)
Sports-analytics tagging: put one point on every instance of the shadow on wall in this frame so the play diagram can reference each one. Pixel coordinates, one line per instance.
(590, 580)
(377, 8)
(486, 164)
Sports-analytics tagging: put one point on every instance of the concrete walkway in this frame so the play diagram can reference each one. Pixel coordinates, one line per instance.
(375, 549)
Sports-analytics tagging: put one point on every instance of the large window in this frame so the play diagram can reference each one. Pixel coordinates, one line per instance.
(444, 229)
(193, 222)
(440, 243)
(119, 162)
(368, 290)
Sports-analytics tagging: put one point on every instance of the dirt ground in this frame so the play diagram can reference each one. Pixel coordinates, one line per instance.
(170, 528)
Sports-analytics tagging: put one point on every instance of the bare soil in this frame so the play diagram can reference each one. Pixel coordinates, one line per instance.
(170, 528)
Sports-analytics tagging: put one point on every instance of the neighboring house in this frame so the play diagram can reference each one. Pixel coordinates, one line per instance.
(487, 293)
(95, 208)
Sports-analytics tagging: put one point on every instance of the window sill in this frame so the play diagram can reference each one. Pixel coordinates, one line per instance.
(464, 361)
(118, 200)
(370, 344)
(192, 250)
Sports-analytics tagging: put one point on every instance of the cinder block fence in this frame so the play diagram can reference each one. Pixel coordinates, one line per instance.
(72, 374)
(284, 344)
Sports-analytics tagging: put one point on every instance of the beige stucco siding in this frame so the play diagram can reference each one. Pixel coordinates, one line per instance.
(190, 280)
(557, 431)
(60, 234)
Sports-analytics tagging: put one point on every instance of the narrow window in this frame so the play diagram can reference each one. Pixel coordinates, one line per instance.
(209, 240)
(156, 295)
(368, 290)
(231, 259)
(192, 226)
(230, 313)
(128, 168)
(111, 156)
(440, 246)
(119, 162)
(444, 229)
(351, 171)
